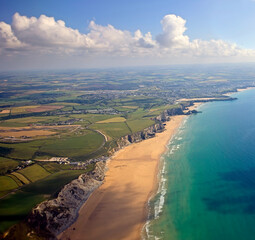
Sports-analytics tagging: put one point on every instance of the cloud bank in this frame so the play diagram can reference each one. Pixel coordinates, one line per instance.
(45, 35)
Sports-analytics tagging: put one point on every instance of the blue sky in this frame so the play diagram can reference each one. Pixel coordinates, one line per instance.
(206, 20)
(225, 19)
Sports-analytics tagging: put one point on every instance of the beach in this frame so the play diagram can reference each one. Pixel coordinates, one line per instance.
(118, 208)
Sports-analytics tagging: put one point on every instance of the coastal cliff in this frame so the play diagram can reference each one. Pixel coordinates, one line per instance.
(152, 130)
(139, 136)
(165, 115)
(53, 216)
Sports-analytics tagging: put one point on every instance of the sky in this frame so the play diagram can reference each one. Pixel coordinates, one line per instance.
(54, 34)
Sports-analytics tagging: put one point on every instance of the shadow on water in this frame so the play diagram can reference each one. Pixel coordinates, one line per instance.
(235, 197)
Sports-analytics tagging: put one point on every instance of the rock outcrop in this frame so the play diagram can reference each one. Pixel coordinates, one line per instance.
(165, 115)
(189, 112)
(53, 216)
(141, 135)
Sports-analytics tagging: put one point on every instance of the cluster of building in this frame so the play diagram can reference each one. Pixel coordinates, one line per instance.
(60, 160)
(23, 165)
(66, 160)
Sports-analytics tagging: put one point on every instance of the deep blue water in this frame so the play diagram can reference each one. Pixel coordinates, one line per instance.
(207, 185)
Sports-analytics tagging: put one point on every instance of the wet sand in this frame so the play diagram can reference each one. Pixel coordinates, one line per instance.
(118, 209)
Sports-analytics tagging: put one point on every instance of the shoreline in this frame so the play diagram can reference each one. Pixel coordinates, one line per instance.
(161, 165)
(238, 90)
(131, 181)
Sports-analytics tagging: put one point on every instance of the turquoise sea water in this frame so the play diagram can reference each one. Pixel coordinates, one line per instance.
(207, 182)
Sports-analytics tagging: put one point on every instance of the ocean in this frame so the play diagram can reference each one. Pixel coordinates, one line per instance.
(207, 177)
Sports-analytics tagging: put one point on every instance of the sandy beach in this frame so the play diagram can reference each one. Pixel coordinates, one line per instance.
(238, 90)
(118, 209)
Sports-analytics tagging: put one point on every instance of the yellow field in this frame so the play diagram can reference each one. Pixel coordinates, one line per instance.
(35, 131)
(113, 120)
(21, 177)
(25, 120)
(31, 133)
(35, 108)
(66, 104)
(44, 108)
(153, 109)
(130, 107)
(6, 111)
(36, 128)
(28, 93)
(23, 109)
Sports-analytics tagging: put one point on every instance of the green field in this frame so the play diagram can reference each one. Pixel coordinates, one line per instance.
(16, 179)
(22, 151)
(139, 124)
(138, 114)
(15, 208)
(34, 172)
(6, 184)
(74, 146)
(7, 164)
(113, 130)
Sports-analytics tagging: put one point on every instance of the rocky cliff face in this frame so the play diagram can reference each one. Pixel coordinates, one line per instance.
(150, 131)
(53, 216)
(165, 115)
(142, 135)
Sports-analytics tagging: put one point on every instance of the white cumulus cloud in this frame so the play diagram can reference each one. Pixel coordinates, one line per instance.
(45, 35)
(46, 32)
(7, 38)
(173, 32)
